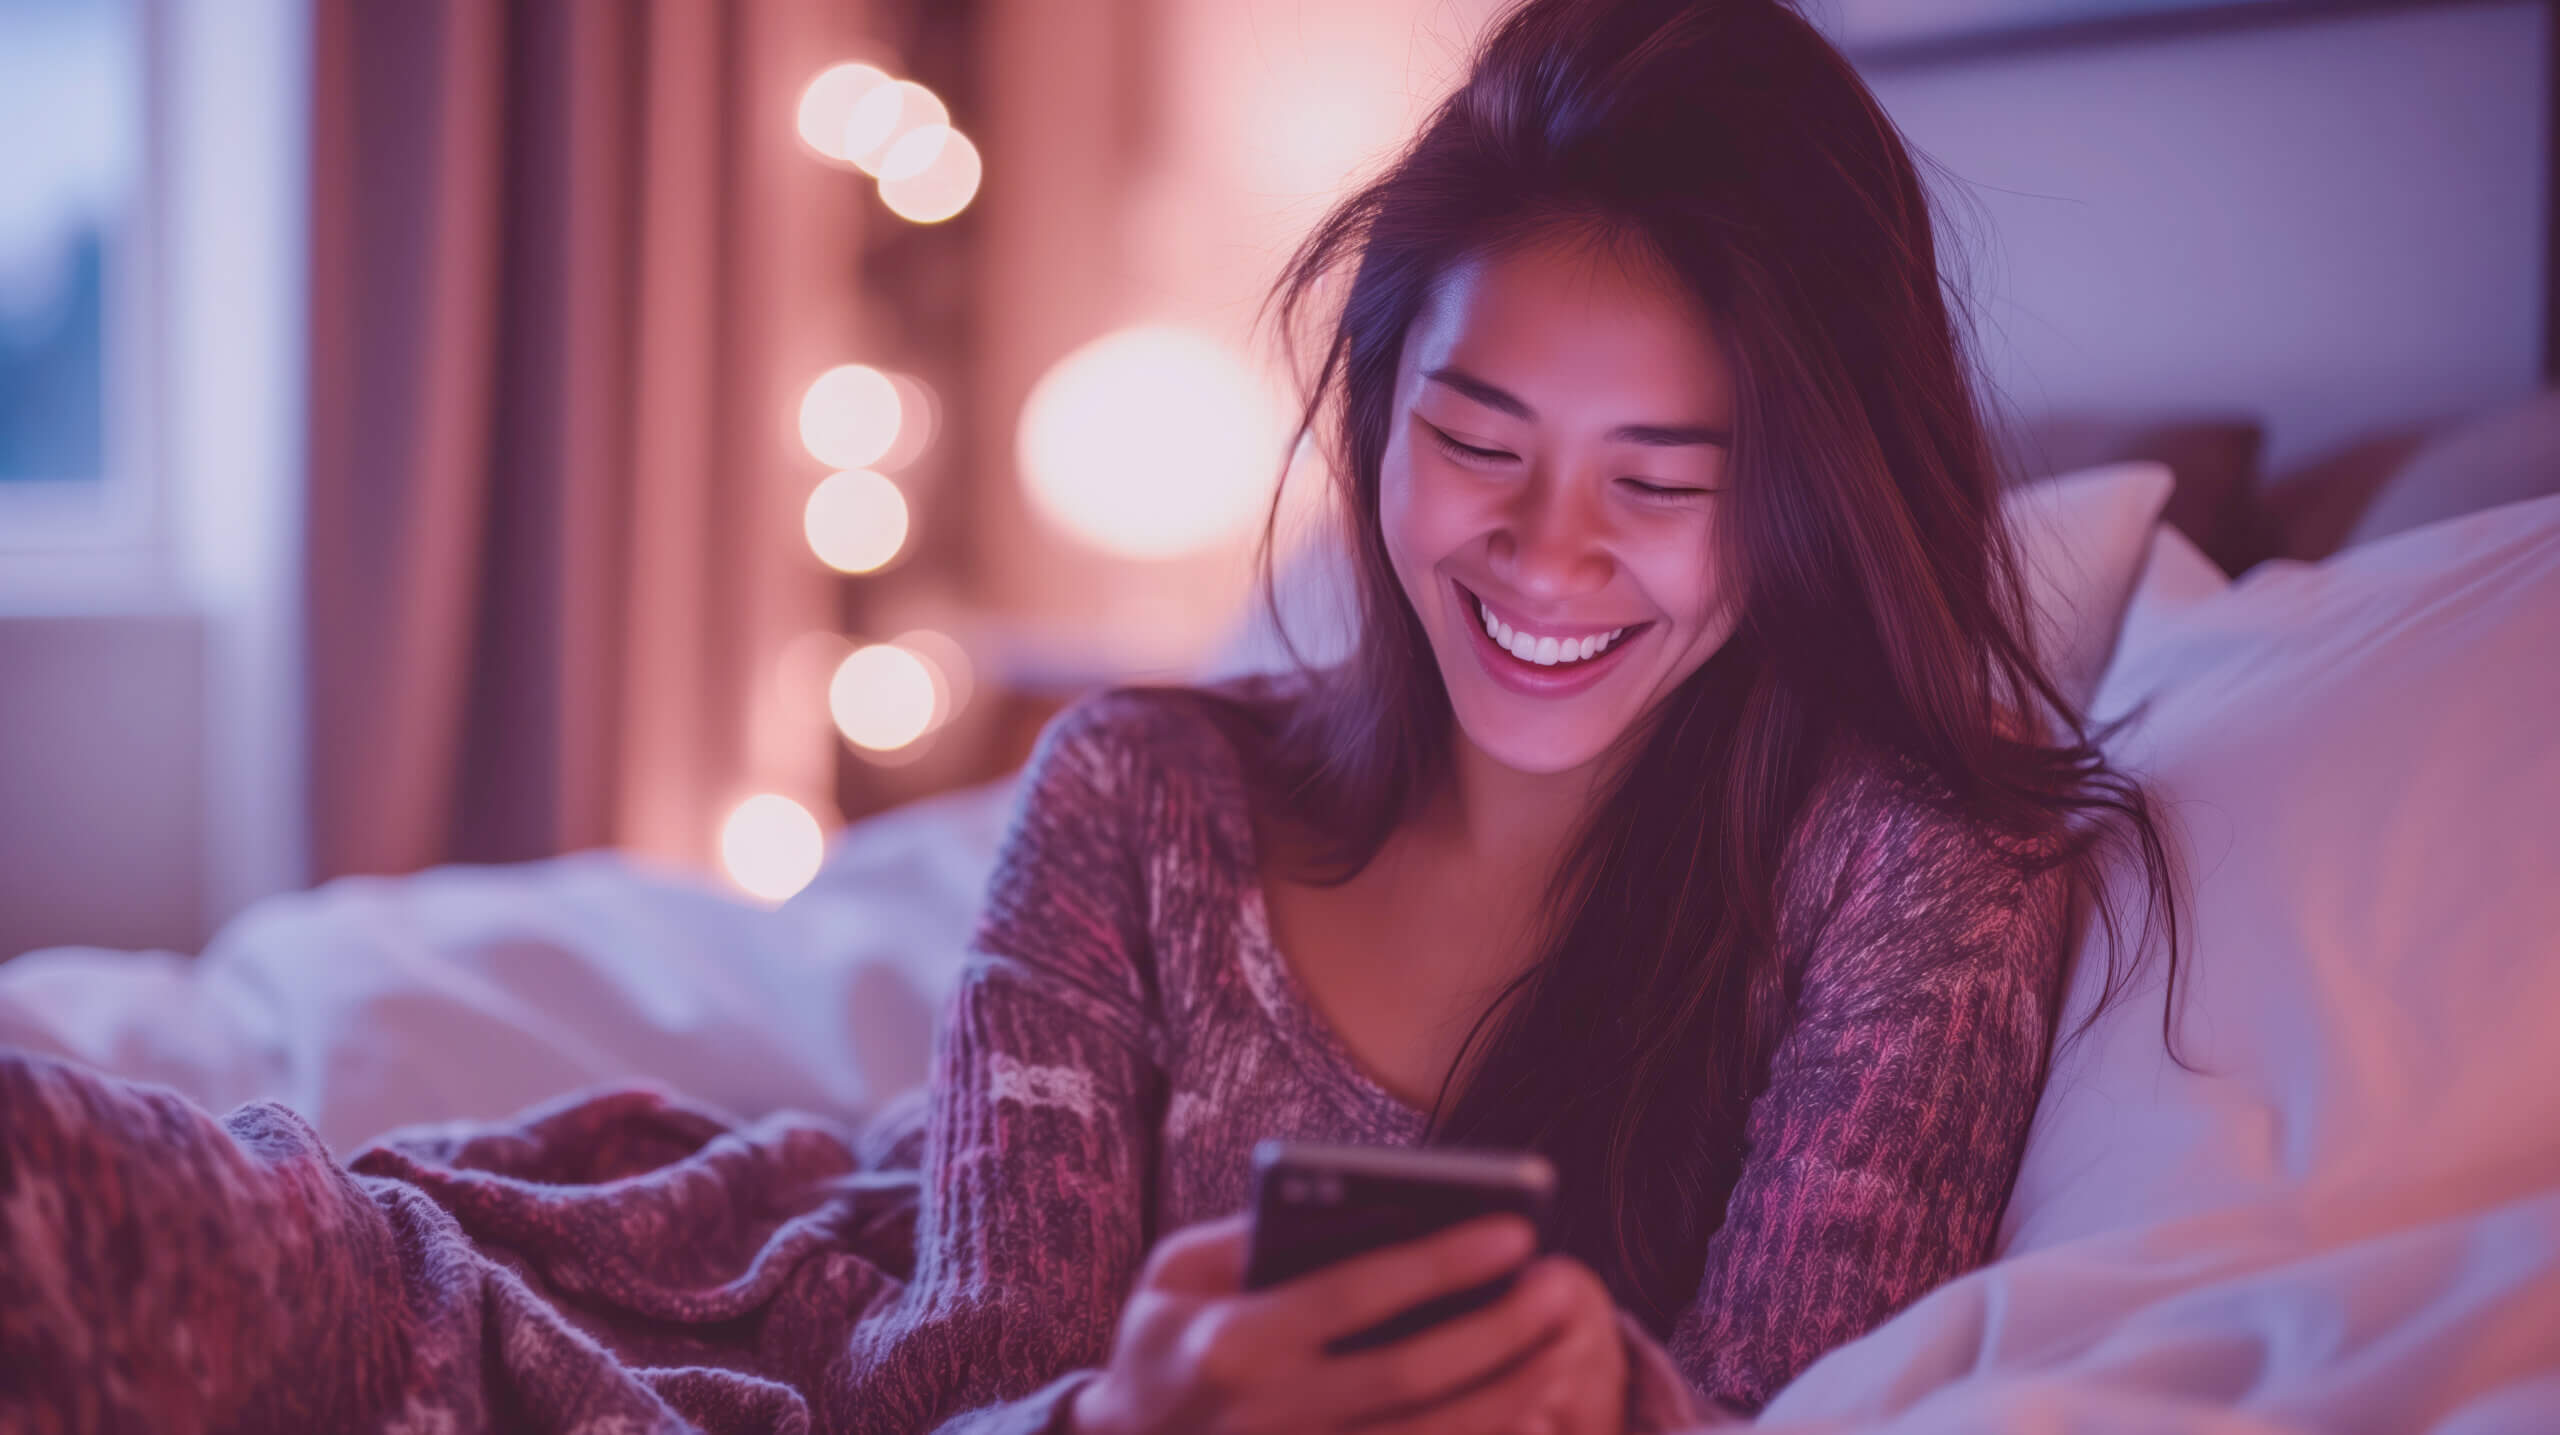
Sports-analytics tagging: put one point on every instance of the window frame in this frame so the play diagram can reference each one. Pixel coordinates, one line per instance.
(71, 540)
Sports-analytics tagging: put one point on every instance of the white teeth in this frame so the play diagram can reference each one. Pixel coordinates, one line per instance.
(1545, 652)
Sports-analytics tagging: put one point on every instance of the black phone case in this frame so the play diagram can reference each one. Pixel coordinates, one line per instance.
(1308, 1216)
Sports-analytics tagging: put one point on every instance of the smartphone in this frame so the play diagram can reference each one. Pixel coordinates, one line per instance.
(1314, 1205)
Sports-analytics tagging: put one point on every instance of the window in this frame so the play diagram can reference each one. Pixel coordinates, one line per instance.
(74, 352)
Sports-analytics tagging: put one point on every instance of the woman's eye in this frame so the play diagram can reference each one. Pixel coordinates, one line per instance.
(1466, 452)
(1665, 492)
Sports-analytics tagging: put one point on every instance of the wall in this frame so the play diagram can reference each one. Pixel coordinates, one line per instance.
(2337, 224)
(101, 780)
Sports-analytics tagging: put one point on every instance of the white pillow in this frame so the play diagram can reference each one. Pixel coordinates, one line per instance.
(2361, 755)
(2083, 538)
(2175, 577)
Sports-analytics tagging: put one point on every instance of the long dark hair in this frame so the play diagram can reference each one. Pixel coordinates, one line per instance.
(1881, 599)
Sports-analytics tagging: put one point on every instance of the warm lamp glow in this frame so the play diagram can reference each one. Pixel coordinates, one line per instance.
(771, 846)
(1150, 443)
(885, 115)
(883, 697)
(829, 102)
(849, 417)
(944, 181)
(856, 521)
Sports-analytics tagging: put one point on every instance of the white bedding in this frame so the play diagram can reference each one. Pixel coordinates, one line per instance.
(478, 991)
(2352, 1225)
(2350, 1220)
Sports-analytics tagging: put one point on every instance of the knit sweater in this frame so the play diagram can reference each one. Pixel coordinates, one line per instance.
(1127, 1030)
(1122, 1034)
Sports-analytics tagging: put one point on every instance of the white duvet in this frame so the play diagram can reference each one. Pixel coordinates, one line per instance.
(2348, 1220)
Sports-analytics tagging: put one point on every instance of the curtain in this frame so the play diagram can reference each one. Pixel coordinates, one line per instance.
(571, 269)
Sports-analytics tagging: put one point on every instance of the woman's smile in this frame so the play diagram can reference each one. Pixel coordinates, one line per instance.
(1541, 659)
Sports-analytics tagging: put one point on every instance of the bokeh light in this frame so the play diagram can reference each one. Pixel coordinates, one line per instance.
(913, 153)
(885, 115)
(919, 419)
(828, 104)
(883, 697)
(856, 521)
(943, 185)
(948, 662)
(849, 416)
(771, 846)
(1150, 442)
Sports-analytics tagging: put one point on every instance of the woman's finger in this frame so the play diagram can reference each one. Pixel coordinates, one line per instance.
(1435, 1364)
(1204, 1259)
(1589, 1397)
(1497, 1404)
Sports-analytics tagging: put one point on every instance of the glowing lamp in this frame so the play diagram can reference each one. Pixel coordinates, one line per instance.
(1150, 442)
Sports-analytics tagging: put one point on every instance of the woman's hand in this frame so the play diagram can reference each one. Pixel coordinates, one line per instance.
(1198, 1353)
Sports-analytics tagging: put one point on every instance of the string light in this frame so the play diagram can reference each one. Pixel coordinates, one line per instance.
(883, 116)
(919, 419)
(855, 521)
(944, 178)
(884, 697)
(849, 416)
(829, 102)
(948, 662)
(771, 846)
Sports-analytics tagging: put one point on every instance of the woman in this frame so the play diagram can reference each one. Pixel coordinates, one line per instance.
(1685, 812)
(1691, 810)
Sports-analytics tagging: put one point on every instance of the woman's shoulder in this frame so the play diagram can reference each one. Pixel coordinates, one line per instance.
(1877, 814)
(1166, 739)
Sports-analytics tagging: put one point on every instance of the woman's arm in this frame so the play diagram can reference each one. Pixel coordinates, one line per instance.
(1040, 1145)
(1882, 1151)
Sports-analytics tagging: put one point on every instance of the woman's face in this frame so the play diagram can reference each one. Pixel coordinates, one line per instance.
(1550, 493)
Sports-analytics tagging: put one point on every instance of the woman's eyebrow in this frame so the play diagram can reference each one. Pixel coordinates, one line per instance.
(1492, 396)
(1496, 397)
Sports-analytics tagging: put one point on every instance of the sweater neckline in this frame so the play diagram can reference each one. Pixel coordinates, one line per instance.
(1278, 988)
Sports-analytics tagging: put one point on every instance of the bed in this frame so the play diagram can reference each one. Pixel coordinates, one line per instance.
(2346, 1217)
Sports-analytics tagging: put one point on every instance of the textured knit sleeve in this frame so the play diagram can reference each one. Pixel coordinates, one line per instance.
(1882, 1150)
(1040, 1142)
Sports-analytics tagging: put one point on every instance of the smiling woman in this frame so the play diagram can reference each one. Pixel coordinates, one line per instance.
(1549, 502)
(1691, 807)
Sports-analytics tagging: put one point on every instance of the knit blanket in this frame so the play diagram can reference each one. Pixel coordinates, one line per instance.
(618, 1261)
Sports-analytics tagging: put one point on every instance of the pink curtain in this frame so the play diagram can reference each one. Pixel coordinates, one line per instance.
(571, 269)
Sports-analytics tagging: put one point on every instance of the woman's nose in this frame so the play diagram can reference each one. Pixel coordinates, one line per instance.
(1550, 544)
